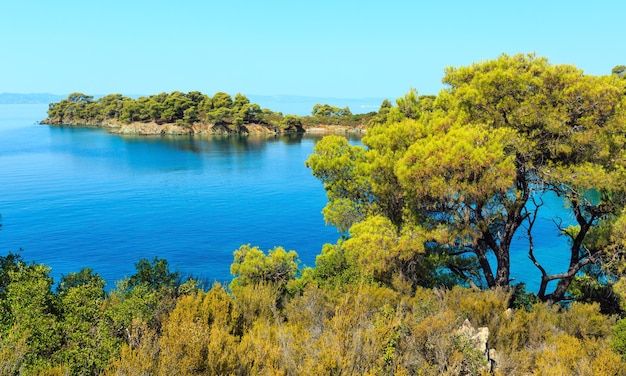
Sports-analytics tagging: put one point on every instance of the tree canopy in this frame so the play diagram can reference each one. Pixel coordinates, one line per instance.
(470, 167)
(175, 107)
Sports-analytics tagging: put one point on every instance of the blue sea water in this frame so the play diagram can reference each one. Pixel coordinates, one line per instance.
(75, 197)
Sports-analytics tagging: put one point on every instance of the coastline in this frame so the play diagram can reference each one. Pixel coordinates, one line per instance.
(155, 129)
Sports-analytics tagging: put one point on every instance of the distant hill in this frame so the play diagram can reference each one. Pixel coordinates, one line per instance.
(287, 104)
(302, 105)
(34, 98)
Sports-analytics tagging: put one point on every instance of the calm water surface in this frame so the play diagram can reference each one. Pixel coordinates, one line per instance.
(74, 198)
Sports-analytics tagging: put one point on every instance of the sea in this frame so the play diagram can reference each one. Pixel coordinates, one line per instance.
(72, 198)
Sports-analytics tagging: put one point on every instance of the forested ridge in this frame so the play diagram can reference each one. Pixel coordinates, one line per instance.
(420, 281)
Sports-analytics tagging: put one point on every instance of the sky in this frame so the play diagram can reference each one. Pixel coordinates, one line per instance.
(322, 48)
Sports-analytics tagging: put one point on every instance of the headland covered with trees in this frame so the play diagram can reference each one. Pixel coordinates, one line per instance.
(421, 283)
(193, 113)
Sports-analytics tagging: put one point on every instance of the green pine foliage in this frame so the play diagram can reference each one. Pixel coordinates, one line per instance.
(175, 107)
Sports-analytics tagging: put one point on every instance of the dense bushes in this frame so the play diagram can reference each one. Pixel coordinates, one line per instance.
(154, 323)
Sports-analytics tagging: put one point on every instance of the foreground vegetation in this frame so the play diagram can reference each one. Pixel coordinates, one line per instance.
(429, 211)
(271, 321)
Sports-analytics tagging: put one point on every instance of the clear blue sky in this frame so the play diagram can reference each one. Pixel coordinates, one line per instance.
(326, 48)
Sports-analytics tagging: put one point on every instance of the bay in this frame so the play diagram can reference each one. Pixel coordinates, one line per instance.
(78, 197)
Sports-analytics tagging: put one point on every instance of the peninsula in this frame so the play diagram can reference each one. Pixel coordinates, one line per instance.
(179, 113)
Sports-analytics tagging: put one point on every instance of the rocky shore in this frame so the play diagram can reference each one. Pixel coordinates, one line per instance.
(153, 128)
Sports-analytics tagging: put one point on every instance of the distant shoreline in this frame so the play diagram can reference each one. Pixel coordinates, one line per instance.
(201, 129)
(33, 98)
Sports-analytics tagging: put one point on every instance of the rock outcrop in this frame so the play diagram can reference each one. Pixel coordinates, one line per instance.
(478, 338)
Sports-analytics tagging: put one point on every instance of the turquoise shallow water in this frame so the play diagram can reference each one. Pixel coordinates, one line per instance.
(73, 198)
